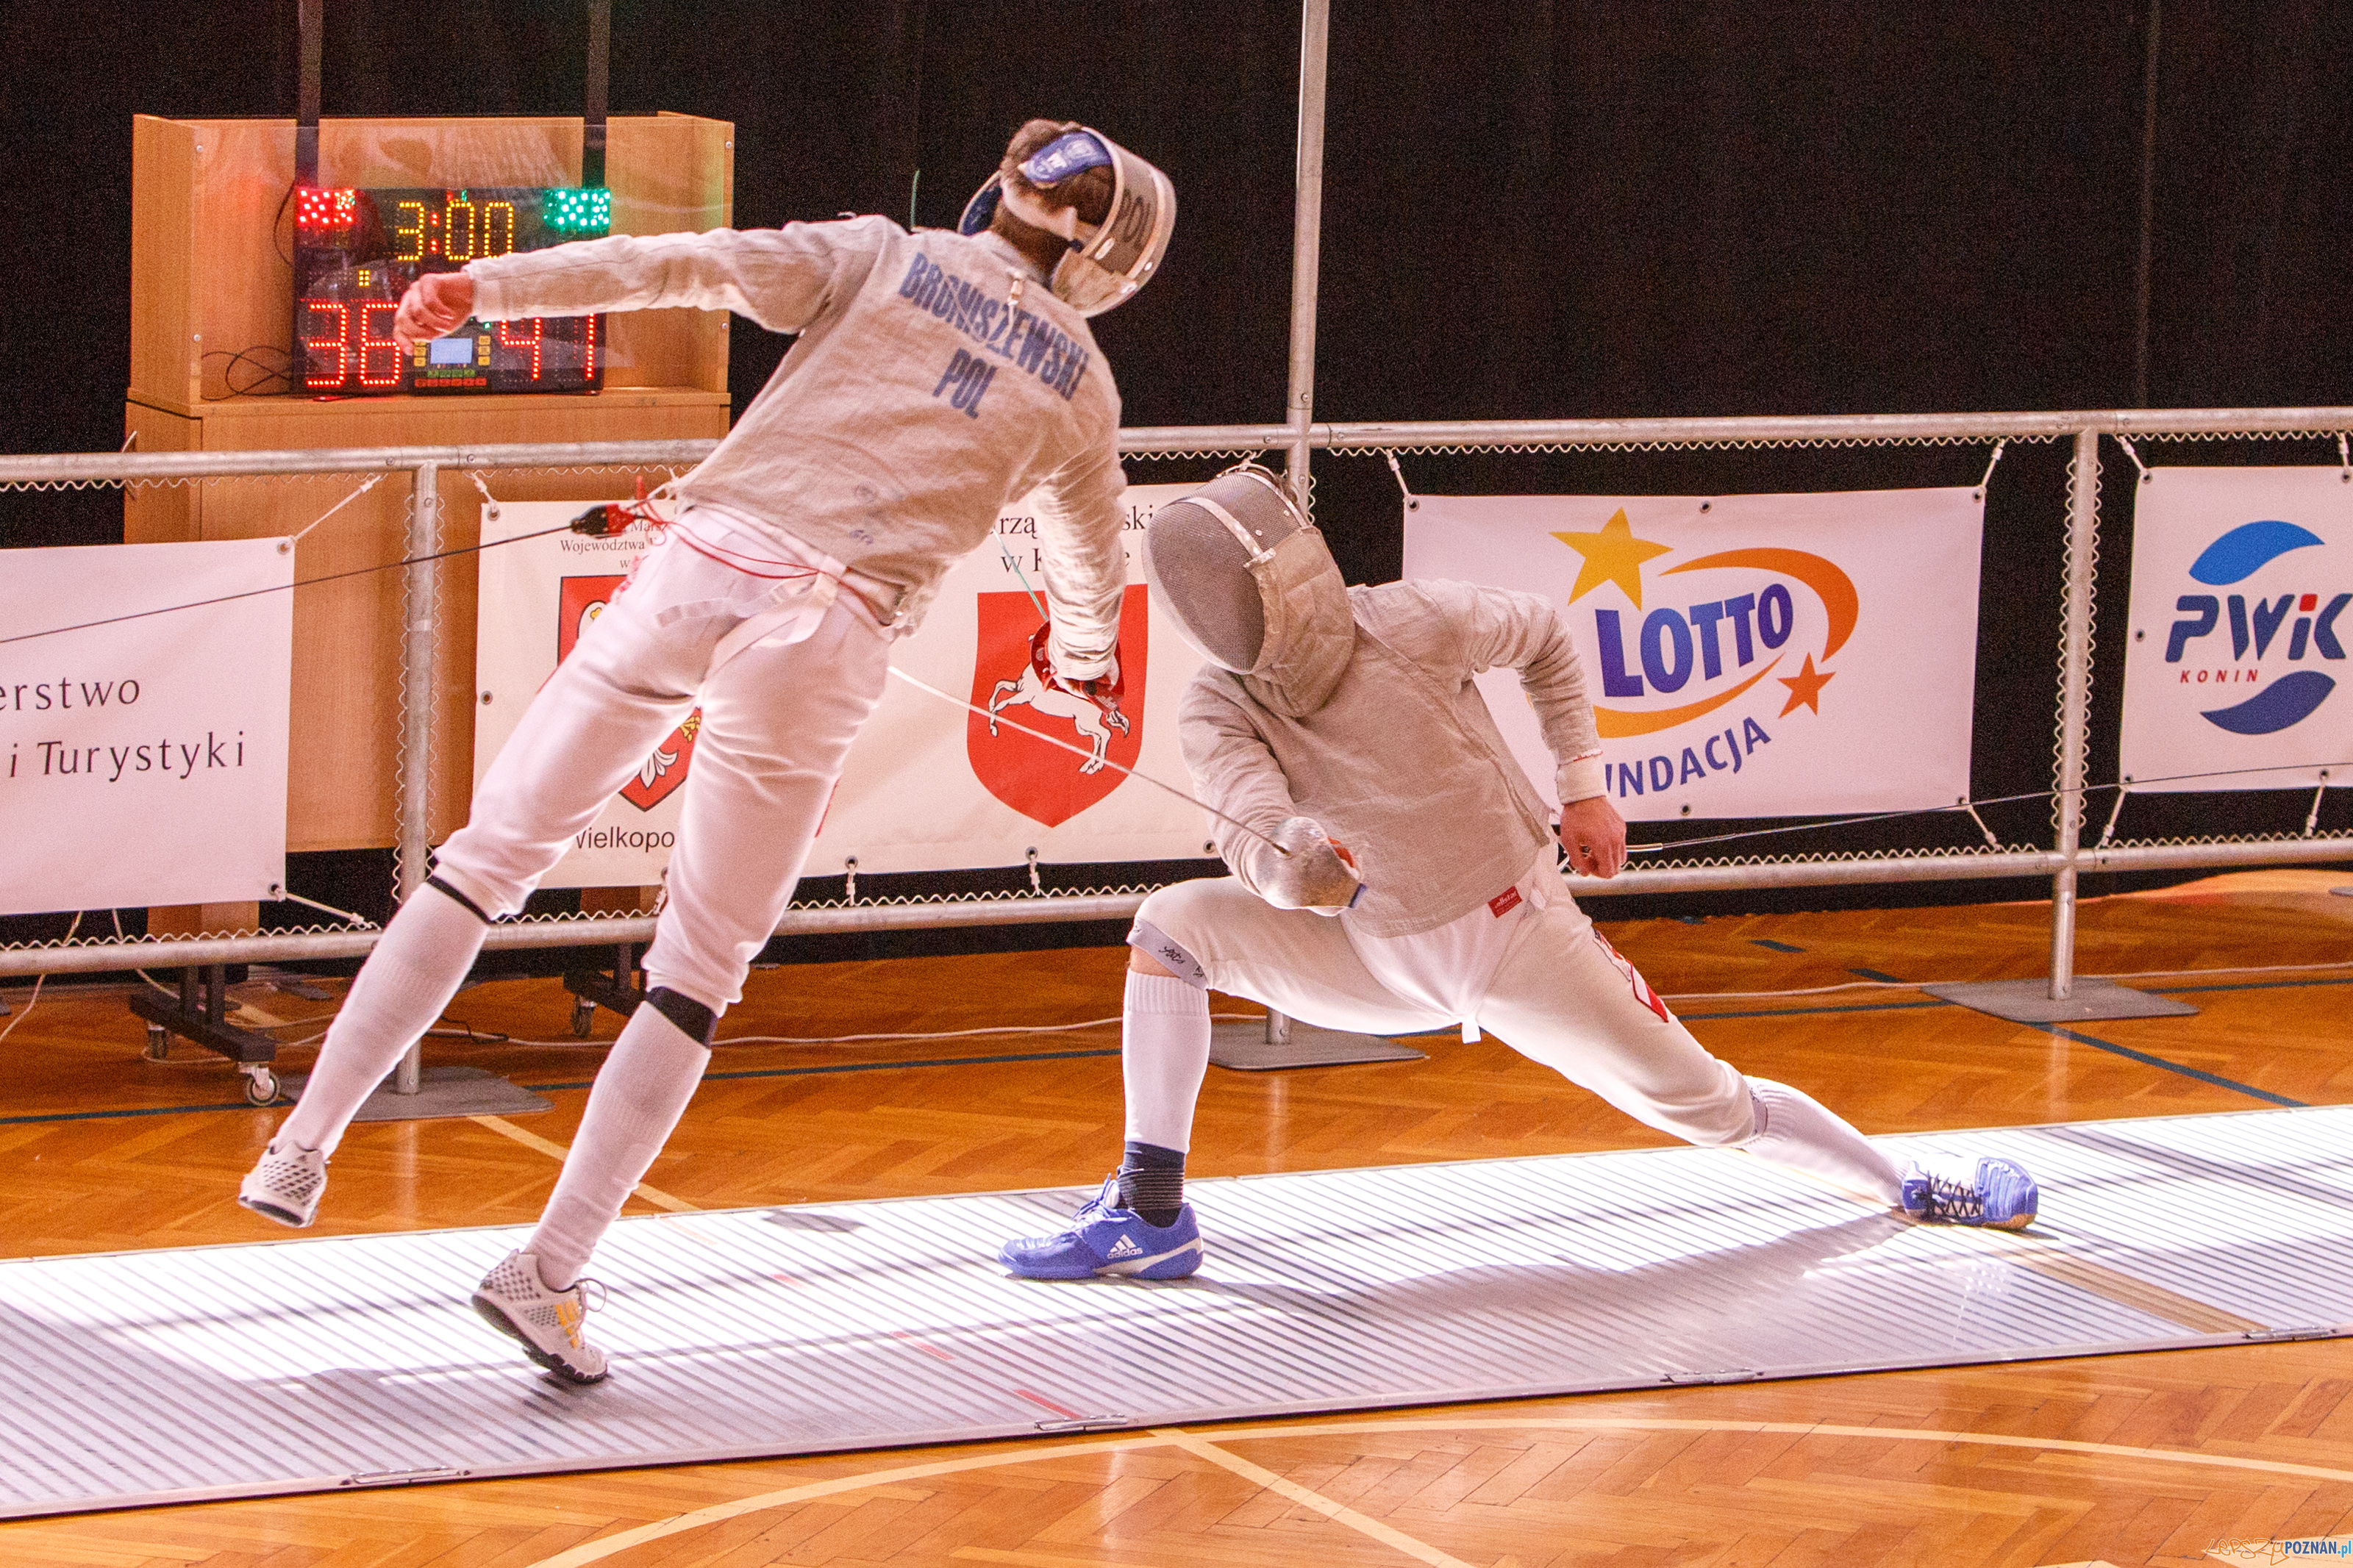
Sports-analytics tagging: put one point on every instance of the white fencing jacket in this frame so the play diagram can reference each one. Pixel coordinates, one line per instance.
(1402, 762)
(935, 379)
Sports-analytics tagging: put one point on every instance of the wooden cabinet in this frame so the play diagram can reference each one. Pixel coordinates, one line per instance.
(211, 225)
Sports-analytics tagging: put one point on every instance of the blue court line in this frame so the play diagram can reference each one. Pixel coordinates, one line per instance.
(584, 1083)
(1776, 946)
(1809, 1011)
(2199, 1073)
(1069, 1056)
(877, 1067)
(108, 1115)
(1880, 975)
(2250, 985)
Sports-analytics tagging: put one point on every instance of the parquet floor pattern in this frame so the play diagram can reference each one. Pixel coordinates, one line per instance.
(1487, 1485)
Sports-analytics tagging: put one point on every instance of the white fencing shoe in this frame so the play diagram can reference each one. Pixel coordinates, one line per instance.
(546, 1323)
(285, 1185)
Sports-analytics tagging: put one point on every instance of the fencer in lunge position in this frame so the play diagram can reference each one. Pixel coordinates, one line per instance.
(1344, 724)
(936, 376)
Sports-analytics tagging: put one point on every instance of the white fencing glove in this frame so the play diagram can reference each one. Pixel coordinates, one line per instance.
(1314, 875)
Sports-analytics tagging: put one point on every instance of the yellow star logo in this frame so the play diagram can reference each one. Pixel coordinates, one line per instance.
(1805, 687)
(1612, 555)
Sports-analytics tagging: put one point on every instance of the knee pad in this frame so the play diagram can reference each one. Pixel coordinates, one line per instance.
(695, 1021)
(1147, 938)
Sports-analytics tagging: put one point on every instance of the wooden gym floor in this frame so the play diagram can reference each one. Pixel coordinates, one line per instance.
(2160, 1458)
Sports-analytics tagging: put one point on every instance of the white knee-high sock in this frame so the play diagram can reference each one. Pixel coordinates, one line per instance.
(1163, 1053)
(638, 1097)
(1795, 1129)
(401, 990)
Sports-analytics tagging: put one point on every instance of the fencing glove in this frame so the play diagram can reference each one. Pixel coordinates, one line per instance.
(1314, 874)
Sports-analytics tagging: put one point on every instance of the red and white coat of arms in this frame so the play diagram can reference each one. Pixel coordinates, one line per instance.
(582, 601)
(1010, 670)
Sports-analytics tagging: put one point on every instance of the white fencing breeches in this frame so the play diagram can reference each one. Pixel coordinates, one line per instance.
(778, 717)
(1538, 976)
(784, 671)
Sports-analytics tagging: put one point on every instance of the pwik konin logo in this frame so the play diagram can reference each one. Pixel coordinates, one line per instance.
(1733, 627)
(2284, 621)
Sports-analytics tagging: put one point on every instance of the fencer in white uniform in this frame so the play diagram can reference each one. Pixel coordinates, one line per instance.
(935, 377)
(1421, 887)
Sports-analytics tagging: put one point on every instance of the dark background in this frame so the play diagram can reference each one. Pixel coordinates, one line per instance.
(1530, 210)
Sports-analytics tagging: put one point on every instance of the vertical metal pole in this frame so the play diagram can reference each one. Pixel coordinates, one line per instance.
(1307, 238)
(2074, 700)
(415, 801)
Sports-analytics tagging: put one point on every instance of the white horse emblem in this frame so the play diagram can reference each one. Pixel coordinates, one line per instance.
(1096, 718)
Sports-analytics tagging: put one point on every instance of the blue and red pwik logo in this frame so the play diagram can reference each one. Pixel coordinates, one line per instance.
(1105, 717)
(580, 601)
(2254, 620)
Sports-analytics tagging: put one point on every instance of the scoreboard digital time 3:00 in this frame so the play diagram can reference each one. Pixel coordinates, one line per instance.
(357, 251)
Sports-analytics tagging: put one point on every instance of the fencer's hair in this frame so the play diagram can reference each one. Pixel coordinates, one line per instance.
(1090, 190)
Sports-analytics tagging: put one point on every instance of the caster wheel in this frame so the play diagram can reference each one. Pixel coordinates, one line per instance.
(584, 1019)
(159, 1043)
(261, 1087)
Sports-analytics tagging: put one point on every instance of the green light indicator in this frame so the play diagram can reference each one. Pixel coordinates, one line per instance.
(577, 211)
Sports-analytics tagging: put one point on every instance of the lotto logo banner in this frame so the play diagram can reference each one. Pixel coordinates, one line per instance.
(537, 596)
(144, 762)
(930, 786)
(2241, 609)
(1747, 655)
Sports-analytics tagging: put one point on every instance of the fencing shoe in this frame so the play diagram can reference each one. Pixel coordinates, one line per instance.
(1105, 1238)
(285, 1185)
(546, 1323)
(1997, 1193)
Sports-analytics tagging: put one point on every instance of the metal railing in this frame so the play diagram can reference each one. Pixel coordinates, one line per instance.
(2064, 862)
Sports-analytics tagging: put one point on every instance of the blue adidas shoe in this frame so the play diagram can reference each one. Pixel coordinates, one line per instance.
(1998, 1194)
(1105, 1239)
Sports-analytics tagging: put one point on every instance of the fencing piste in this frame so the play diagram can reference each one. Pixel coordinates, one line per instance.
(1795, 1129)
(639, 1095)
(402, 988)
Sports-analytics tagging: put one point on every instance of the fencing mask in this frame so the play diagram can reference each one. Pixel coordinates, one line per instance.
(1248, 583)
(1108, 262)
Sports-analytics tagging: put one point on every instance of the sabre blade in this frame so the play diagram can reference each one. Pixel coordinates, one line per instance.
(1089, 754)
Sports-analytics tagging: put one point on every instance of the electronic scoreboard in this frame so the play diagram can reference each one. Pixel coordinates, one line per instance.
(357, 251)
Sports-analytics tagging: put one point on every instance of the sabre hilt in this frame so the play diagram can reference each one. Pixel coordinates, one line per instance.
(605, 520)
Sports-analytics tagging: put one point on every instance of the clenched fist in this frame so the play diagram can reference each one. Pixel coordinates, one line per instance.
(436, 303)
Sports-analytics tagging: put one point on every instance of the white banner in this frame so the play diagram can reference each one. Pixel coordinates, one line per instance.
(927, 787)
(2241, 582)
(144, 758)
(1821, 657)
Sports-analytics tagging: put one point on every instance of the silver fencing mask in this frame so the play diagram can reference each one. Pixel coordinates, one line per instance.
(1106, 262)
(1248, 582)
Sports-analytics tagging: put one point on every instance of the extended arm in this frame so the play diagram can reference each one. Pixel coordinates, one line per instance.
(1523, 632)
(1233, 771)
(1085, 562)
(780, 277)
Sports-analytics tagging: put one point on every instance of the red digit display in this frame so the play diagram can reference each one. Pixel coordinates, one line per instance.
(380, 353)
(356, 252)
(336, 317)
(511, 337)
